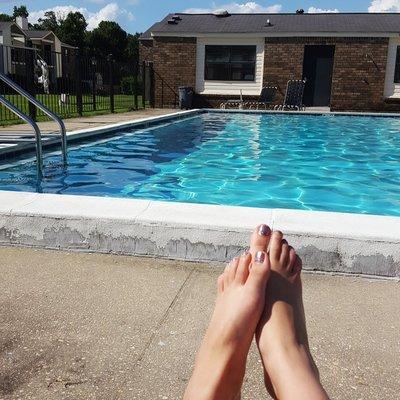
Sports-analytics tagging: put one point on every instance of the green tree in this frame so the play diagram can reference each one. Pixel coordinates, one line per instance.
(48, 23)
(6, 18)
(132, 46)
(20, 11)
(72, 30)
(108, 38)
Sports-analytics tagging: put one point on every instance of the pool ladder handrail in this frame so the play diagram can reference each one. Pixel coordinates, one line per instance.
(29, 120)
(38, 135)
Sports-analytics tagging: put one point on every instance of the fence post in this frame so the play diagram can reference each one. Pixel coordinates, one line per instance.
(78, 82)
(111, 81)
(30, 80)
(144, 84)
(3, 59)
(93, 62)
(135, 83)
(162, 93)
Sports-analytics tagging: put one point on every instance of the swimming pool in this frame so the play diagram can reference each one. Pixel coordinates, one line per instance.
(298, 161)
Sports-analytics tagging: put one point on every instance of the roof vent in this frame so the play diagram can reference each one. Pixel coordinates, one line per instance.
(268, 23)
(176, 18)
(300, 11)
(221, 13)
(172, 21)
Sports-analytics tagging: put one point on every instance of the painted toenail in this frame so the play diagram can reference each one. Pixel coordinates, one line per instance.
(264, 230)
(260, 257)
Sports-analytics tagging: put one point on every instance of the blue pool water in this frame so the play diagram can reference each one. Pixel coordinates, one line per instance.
(333, 163)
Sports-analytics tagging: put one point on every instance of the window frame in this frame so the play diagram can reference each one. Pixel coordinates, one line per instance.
(231, 63)
(396, 76)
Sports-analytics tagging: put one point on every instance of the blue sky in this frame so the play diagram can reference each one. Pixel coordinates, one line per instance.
(138, 15)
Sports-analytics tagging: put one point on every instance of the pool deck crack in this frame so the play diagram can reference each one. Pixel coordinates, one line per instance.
(164, 318)
(142, 212)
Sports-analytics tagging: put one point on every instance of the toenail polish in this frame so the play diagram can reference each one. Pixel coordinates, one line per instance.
(264, 230)
(260, 257)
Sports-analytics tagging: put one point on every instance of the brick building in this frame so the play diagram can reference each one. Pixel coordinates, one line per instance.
(351, 61)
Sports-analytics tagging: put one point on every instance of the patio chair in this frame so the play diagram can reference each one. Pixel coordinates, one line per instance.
(232, 103)
(267, 96)
(293, 96)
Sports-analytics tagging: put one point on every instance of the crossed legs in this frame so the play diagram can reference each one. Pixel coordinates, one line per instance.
(259, 294)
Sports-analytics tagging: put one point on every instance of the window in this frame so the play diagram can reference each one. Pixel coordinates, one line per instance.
(230, 63)
(397, 66)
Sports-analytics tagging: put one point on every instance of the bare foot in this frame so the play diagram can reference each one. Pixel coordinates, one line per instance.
(221, 361)
(290, 372)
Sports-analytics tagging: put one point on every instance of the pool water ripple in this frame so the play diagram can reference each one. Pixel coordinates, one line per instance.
(311, 162)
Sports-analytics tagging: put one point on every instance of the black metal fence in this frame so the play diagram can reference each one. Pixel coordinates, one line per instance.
(74, 85)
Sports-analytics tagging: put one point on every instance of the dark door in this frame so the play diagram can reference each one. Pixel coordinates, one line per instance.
(317, 69)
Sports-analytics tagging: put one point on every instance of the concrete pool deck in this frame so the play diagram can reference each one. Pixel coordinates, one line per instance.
(96, 326)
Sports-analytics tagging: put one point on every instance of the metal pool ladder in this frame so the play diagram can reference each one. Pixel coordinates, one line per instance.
(24, 117)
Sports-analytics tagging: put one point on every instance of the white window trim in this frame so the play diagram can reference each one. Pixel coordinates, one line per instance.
(214, 87)
(392, 90)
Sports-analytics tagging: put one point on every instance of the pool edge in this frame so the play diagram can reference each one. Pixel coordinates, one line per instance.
(81, 134)
(327, 241)
(86, 133)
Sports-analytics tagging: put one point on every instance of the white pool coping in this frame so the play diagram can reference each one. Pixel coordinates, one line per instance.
(327, 241)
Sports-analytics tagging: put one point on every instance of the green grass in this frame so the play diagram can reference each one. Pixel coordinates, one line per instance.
(122, 103)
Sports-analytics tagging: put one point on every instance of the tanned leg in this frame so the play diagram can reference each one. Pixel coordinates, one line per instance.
(281, 335)
(221, 361)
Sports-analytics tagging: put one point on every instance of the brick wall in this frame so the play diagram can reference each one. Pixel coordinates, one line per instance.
(174, 60)
(357, 81)
(146, 50)
(283, 60)
(359, 74)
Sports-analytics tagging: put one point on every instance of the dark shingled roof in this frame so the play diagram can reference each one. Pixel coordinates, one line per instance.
(36, 34)
(280, 23)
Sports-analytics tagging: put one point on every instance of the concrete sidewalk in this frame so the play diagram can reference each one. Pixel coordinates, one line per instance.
(73, 124)
(93, 326)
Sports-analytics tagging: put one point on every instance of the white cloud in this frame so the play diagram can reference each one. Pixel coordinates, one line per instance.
(315, 10)
(60, 11)
(110, 12)
(378, 6)
(241, 8)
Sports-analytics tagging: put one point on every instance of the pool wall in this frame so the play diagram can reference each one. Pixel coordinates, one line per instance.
(95, 132)
(336, 242)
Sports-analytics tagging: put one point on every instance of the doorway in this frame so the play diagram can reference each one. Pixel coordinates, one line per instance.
(317, 69)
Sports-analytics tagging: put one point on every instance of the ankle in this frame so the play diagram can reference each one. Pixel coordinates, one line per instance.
(292, 372)
(216, 376)
(284, 352)
(219, 369)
